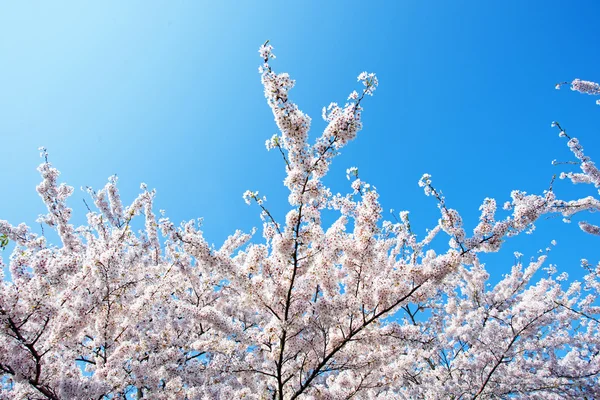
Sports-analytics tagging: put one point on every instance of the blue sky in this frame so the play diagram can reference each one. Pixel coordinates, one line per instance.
(168, 93)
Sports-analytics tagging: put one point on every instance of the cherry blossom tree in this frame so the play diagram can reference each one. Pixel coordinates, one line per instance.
(359, 308)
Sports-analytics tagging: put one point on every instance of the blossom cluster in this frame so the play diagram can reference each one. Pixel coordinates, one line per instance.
(358, 308)
(582, 86)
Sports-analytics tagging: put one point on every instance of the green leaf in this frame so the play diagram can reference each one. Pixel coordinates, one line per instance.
(3, 241)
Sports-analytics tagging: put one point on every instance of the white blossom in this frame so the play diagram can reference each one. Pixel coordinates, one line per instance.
(355, 308)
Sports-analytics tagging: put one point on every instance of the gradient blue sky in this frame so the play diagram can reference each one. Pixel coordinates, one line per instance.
(168, 93)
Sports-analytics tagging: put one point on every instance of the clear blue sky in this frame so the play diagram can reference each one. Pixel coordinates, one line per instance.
(168, 93)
